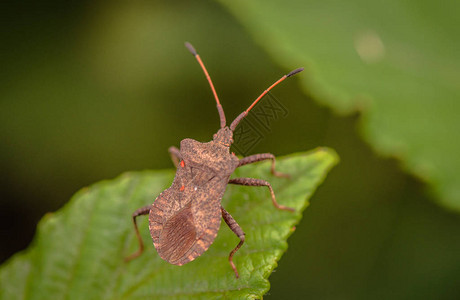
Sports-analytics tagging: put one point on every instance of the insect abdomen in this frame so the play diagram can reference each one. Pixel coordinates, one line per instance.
(178, 236)
(181, 234)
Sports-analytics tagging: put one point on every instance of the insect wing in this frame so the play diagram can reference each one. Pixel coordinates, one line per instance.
(184, 224)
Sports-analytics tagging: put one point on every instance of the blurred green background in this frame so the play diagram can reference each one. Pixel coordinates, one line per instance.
(89, 90)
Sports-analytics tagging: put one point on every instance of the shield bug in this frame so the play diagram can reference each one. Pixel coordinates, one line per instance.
(185, 218)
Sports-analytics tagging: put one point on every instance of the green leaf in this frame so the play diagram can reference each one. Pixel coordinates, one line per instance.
(78, 251)
(396, 62)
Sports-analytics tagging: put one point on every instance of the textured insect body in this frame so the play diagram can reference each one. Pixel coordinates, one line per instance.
(185, 228)
(185, 218)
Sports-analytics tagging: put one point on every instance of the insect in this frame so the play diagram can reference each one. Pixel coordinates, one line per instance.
(185, 218)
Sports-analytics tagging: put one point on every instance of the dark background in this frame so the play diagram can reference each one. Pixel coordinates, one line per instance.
(89, 90)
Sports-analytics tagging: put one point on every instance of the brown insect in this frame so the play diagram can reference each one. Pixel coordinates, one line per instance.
(185, 218)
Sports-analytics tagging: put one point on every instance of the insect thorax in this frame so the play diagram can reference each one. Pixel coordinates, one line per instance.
(212, 155)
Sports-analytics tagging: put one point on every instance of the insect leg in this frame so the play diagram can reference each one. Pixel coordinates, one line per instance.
(141, 211)
(260, 182)
(175, 155)
(239, 233)
(259, 157)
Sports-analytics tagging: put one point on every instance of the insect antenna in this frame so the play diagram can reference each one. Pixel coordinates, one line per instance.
(219, 107)
(245, 113)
